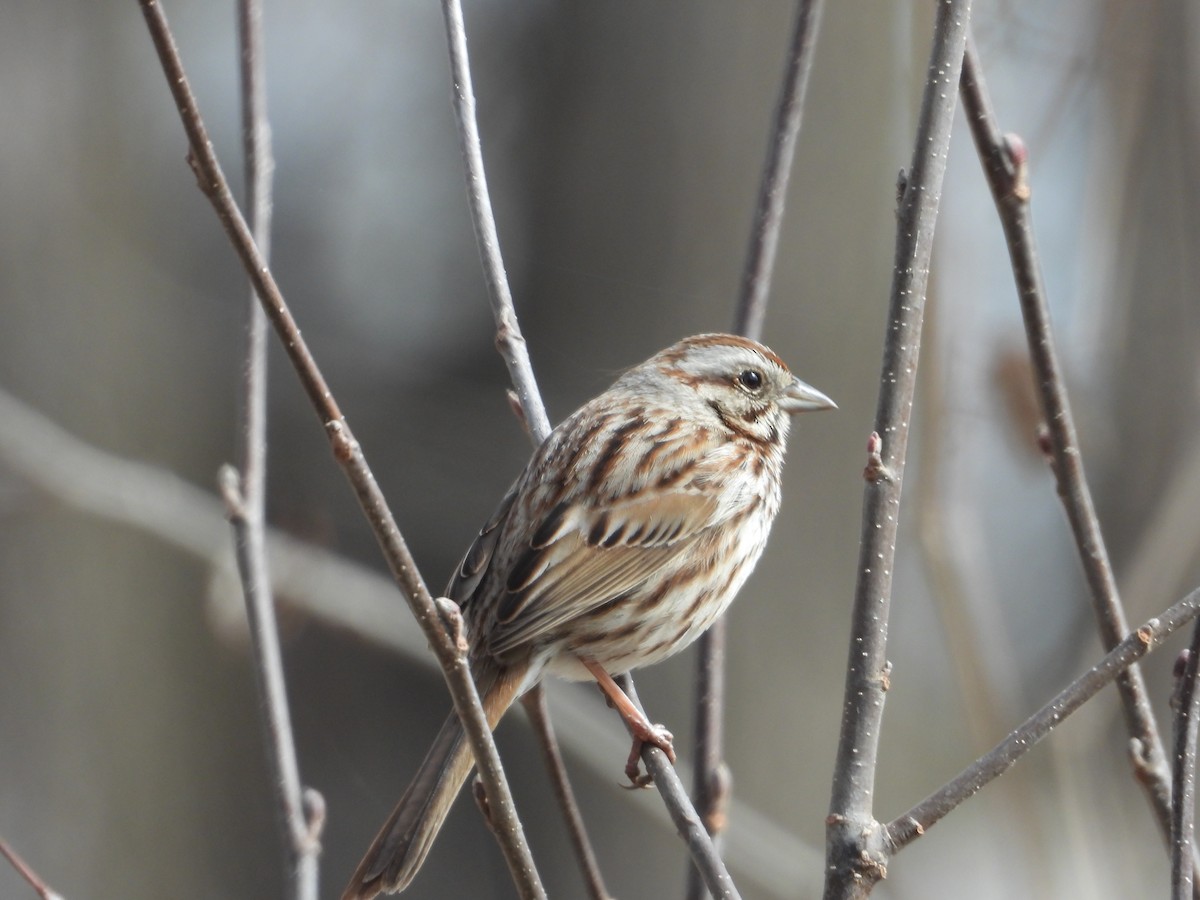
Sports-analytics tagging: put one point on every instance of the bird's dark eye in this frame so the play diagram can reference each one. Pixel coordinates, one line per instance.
(750, 379)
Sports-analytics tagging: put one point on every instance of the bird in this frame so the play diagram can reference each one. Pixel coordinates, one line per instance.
(629, 532)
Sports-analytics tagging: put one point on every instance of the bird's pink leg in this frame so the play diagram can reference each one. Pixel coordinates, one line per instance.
(644, 732)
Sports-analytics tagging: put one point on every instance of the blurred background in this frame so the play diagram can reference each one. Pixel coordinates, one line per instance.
(624, 144)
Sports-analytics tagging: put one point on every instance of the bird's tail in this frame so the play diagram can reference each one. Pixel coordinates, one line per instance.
(402, 844)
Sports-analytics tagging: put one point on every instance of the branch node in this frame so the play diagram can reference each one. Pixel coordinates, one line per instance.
(1045, 443)
(313, 804)
(452, 620)
(873, 866)
(202, 182)
(1016, 161)
(875, 470)
(479, 792)
(885, 677)
(507, 336)
(514, 404)
(1139, 758)
(345, 447)
(859, 849)
(1145, 633)
(901, 189)
(229, 483)
(720, 789)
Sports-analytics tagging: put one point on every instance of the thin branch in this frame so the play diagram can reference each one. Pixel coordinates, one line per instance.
(300, 809)
(711, 784)
(856, 857)
(669, 785)
(509, 340)
(1005, 163)
(772, 192)
(510, 343)
(245, 493)
(1183, 806)
(911, 825)
(348, 453)
(26, 871)
(339, 592)
(539, 714)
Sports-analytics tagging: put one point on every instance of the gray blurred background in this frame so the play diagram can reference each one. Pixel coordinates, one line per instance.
(624, 143)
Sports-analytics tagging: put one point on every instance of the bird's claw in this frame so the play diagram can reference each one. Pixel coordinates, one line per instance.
(659, 737)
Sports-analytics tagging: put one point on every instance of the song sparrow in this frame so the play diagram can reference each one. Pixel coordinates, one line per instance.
(631, 529)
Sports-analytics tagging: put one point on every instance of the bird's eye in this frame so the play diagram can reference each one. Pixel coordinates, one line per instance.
(750, 379)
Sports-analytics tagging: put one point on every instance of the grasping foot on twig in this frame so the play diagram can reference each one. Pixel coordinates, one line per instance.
(643, 730)
(660, 738)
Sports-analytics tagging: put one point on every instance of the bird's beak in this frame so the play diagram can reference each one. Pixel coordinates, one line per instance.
(801, 397)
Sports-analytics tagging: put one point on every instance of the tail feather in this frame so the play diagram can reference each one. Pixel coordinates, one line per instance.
(404, 841)
(402, 844)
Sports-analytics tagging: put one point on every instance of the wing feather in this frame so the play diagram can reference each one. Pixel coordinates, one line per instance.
(597, 554)
(478, 559)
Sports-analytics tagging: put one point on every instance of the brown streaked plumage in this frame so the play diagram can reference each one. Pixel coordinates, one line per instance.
(629, 532)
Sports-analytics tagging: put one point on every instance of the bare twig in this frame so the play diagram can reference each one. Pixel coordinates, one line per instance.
(509, 340)
(337, 591)
(772, 191)
(510, 343)
(857, 857)
(914, 823)
(699, 843)
(245, 493)
(539, 714)
(349, 455)
(301, 831)
(1183, 806)
(1005, 163)
(711, 780)
(711, 783)
(25, 871)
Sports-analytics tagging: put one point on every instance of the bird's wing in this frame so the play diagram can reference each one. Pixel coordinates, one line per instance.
(583, 556)
(474, 565)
